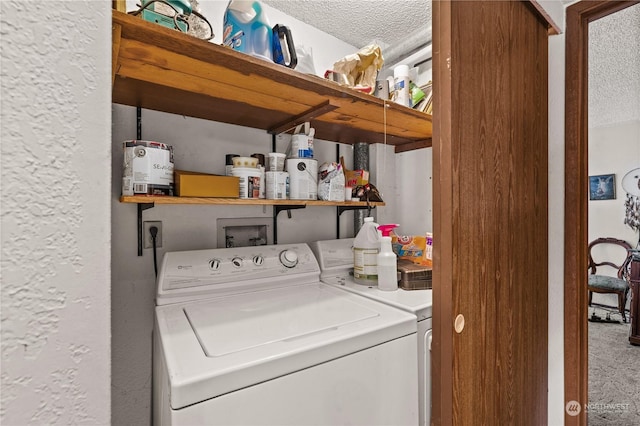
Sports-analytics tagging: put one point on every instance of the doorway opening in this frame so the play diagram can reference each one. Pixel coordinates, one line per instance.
(578, 16)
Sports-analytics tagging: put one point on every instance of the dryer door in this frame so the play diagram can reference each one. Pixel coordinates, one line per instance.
(424, 370)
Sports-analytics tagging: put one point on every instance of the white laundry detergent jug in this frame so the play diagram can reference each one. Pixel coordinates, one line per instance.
(365, 253)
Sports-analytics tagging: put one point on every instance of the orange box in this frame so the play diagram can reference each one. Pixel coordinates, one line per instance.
(354, 178)
(194, 184)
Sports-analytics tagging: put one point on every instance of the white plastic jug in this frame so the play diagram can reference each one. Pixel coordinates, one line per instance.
(247, 29)
(365, 253)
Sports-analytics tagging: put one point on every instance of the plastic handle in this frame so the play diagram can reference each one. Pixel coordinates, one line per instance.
(283, 34)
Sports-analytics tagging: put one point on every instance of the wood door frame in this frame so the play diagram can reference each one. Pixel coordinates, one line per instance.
(578, 17)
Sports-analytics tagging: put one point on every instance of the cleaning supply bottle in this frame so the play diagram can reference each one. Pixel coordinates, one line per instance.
(387, 261)
(246, 29)
(401, 81)
(365, 253)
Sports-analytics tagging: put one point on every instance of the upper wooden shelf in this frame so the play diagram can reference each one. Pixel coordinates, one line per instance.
(162, 69)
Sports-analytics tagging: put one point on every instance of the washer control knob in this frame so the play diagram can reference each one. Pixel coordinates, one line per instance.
(236, 261)
(258, 260)
(289, 258)
(214, 264)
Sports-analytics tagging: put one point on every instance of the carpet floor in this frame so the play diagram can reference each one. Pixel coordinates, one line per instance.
(614, 376)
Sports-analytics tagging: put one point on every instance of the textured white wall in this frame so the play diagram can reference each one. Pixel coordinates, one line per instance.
(55, 69)
(613, 149)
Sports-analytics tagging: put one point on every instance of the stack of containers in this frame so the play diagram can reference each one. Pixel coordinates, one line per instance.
(302, 168)
(277, 180)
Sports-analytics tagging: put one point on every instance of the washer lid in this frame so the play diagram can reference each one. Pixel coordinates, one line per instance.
(220, 345)
(418, 302)
(279, 320)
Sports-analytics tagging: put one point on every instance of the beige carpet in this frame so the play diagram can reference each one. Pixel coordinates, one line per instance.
(614, 375)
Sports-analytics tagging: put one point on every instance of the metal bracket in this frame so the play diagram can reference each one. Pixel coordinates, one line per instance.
(276, 210)
(288, 208)
(342, 209)
(308, 115)
(142, 207)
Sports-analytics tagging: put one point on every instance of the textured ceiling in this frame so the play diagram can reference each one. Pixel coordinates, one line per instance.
(360, 22)
(614, 68)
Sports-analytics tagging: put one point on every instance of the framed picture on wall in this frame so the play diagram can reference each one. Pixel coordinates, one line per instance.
(602, 187)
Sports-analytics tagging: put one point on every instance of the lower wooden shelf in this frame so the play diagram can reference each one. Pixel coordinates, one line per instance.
(143, 199)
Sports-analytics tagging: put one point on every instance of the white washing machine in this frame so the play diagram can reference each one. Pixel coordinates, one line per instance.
(251, 336)
(336, 265)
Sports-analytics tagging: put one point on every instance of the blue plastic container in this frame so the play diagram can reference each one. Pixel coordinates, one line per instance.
(247, 30)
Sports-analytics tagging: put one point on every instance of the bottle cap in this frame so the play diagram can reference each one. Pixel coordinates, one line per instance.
(386, 229)
(401, 71)
(229, 159)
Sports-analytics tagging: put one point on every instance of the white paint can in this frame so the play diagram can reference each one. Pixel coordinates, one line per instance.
(147, 168)
(249, 181)
(303, 178)
(277, 185)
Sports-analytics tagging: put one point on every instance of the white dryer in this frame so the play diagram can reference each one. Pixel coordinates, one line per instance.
(251, 336)
(336, 265)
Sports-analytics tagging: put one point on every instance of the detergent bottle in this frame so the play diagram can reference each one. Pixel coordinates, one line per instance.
(365, 253)
(247, 30)
(387, 261)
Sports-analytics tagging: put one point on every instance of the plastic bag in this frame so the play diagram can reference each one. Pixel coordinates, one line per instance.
(305, 60)
(361, 69)
(330, 182)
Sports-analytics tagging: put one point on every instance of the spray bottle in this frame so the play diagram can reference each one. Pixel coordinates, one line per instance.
(387, 261)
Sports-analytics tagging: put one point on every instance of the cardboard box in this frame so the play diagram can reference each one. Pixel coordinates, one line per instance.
(193, 184)
(354, 178)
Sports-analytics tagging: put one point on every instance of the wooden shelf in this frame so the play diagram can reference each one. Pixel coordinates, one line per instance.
(162, 69)
(141, 199)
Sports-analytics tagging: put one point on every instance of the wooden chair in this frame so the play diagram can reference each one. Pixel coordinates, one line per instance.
(607, 284)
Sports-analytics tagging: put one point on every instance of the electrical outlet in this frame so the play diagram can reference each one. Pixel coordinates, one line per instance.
(148, 241)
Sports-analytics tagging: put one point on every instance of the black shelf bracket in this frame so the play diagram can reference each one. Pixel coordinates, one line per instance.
(288, 208)
(142, 207)
(276, 211)
(342, 209)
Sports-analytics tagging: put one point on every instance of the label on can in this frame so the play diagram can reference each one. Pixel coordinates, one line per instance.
(147, 168)
(249, 182)
(277, 185)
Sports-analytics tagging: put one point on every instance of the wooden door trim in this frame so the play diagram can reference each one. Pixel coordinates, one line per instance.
(442, 354)
(578, 17)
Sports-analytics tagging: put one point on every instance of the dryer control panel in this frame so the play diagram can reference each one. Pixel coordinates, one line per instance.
(186, 275)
